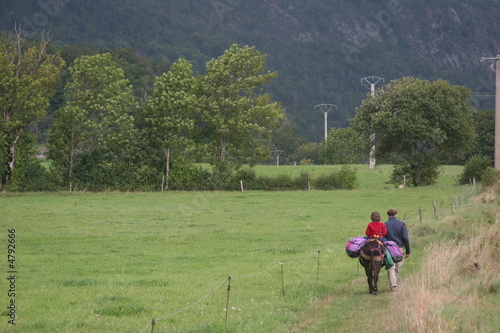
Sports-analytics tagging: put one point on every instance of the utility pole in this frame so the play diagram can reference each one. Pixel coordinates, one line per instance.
(370, 82)
(277, 153)
(325, 108)
(497, 110)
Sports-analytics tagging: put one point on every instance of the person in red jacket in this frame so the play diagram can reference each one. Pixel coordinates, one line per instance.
(376, 229)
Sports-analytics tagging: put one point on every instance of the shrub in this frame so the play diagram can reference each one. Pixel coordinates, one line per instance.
(343, 179)
(190, 177)
(37, 178)
(247, 175)
(475, 168)
(281, 182)
(348, 178)
(327, 181)
(490, 177)
(303, 181)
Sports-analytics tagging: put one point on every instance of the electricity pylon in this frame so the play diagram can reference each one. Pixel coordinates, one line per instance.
(370, 82)
(277, 153)
(325, 108)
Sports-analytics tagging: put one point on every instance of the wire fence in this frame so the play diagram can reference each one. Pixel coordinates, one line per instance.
(438, 210)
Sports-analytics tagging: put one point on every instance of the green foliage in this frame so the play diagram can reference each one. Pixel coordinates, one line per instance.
(343, 179)
(306, 161)
(417, 124)
(281, 182)
(348, 177)
(28, 79)
(236, 115)
(94, 130)
(245, 174)
(307, 151)
(344, 146)
(315, 60)
(490, 177)
(420, 173)
(170, 112)
(29, 175)
(475, 168)
(485, 128)
(287, 139)
(187, 176)
(335, 180)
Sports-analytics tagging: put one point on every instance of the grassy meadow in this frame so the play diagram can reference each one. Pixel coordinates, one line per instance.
(111, 262)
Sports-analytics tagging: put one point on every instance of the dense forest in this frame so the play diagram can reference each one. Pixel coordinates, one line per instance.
(320, 49)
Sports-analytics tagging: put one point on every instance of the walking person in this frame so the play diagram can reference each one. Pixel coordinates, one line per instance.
(398, 233)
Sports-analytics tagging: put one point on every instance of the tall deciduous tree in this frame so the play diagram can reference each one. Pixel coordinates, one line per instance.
(95, 124)
(236, 113)
(28, 78)
(169, 113)
(417, 124)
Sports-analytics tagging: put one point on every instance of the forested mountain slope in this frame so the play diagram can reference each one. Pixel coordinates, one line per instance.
(321, 49)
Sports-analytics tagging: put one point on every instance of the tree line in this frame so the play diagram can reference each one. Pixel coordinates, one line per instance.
(107, 134)
(102, 137)
(316, 63)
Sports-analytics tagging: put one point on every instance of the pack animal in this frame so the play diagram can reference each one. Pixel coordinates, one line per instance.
(372, 259)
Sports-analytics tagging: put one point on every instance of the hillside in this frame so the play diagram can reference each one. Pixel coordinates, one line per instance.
(321, 49)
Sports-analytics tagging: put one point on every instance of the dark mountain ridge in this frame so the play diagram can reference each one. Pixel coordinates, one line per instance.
(320, 49)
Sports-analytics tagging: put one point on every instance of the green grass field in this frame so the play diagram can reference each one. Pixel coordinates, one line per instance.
(110, 262)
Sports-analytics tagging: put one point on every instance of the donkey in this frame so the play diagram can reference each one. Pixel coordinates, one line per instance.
(372, 259)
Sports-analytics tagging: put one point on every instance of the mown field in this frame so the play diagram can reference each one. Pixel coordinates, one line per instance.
(111, 262)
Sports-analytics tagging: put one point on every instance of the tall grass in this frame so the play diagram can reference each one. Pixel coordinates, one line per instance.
(456, 290)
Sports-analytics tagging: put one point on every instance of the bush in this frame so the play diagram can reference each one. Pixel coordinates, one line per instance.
(280, 182)
(327, 181)
(490, 177)
(190, 177)
(37, 178)
(303, 181)
(475, 168)
(344, 179)
(245, 174)
(348, 178)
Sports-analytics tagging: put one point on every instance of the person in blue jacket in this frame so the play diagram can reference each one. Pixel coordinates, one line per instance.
(398, 233)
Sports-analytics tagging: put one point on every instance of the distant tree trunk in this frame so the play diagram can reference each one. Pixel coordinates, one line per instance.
(71, 155)
(11, 160)
(222, 155)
